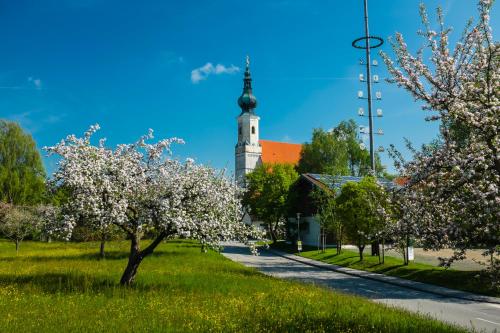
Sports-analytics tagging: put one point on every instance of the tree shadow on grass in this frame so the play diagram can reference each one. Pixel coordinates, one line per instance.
(54, 283)
(331, 256)
(347, 262)
(79, 283)
(88, 283)
(110, 255)
(389, 268)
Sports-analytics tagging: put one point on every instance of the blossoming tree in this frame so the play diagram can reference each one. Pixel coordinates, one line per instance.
(18, 222)
(138, 188)
(455, 183)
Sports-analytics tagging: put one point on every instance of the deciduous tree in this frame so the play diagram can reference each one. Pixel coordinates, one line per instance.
(357, 208)
(454, 184)
(138, 188)
(18, 222)
(22, 175)
(268, 194)
(337, 152)
(325, 202)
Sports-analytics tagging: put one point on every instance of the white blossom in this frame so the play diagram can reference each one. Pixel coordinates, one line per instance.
(452, 195)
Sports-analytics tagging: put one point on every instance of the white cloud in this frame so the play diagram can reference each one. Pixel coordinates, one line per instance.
(220, 69)
(36, 82)
(203, 72)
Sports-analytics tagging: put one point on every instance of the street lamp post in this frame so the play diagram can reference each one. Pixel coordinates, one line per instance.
(299, 243)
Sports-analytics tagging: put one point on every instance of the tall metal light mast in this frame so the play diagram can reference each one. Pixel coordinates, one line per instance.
(357, 43)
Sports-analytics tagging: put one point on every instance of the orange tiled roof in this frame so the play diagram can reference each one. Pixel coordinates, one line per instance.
(401, 181)
(280, 152)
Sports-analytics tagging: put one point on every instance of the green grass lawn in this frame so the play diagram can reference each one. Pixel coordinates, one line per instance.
(461, 280)
(64, 287)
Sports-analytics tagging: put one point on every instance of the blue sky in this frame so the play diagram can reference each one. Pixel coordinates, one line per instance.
(128, 65)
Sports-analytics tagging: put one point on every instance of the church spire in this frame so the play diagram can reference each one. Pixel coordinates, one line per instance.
(247, 100)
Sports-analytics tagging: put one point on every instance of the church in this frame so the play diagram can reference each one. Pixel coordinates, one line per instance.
(250, 150)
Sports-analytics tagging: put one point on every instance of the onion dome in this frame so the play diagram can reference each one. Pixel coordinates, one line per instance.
(247, 101)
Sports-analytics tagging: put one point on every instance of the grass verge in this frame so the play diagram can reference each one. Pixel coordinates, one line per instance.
(470, 281)
(64, 287)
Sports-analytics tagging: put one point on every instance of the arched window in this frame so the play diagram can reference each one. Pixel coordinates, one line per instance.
(253, 129)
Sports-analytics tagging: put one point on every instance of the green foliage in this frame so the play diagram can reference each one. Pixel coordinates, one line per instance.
(268, 194)
(22, 175)
(358, 208)
(337, 152)
(59, 195)
(84, 233)
(180, 290)
(325, 201)
(324, 154)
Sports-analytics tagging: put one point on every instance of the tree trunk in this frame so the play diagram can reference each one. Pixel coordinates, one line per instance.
(407, 252)
(383, 251)
(136, 256)
(130, 272)
(272, 232)
(134, 260)
(375, 248)
(405, 262)
(361, 249)
(378, 250)
(337, 245)
(324, 241)
(101, 249)
(18, 242)
(339, 250)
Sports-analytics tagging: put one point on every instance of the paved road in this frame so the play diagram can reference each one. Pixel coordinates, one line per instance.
(471, 314)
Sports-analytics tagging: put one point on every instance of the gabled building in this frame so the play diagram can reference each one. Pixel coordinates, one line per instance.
(310, 229)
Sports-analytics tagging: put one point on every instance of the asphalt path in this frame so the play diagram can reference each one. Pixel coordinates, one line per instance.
(481, 316)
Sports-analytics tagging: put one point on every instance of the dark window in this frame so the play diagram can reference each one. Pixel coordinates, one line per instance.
(239, 130)
(253, 130)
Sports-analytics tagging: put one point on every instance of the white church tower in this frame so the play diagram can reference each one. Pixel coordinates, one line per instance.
(248, 150)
